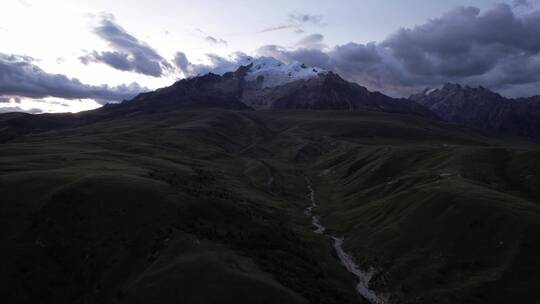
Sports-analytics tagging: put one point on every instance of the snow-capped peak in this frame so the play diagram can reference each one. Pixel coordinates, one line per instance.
(429, 91)
(272, 72)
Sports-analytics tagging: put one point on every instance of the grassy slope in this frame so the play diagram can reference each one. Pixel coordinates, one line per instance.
(445, 220)
(206, 207)
(109, 213)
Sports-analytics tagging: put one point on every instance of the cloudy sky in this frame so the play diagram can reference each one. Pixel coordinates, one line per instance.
(66, 55)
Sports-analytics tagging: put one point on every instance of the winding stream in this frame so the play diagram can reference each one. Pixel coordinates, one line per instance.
(362, 287)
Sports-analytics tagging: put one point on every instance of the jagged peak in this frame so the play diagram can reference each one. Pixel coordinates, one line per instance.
(452, 86)
(270, 72)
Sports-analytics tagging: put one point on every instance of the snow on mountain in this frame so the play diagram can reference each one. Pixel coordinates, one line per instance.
(429, 91)
(272, 72)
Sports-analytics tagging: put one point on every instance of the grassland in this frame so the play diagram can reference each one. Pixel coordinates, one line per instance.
(206, 206)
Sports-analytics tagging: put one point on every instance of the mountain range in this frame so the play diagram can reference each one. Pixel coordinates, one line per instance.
(263, 84)
(484, 109)
(267, 84)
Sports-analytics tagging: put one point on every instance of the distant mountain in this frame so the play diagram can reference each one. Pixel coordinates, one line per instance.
(482, 108)
(261, 84)
(268, 84)
(327, 91)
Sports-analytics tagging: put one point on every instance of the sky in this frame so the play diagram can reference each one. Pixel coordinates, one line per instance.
(70, 56)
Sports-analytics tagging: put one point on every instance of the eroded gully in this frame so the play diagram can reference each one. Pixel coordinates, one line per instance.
(363, 277)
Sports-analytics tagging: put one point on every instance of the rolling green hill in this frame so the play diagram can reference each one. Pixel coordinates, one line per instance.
(207, 206)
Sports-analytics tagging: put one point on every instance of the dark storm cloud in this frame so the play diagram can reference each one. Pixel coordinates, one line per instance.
(311, 57)
(350, 57)
(498, 48)
(522, 3)
(19, 109)
(214, 40)
(217, 64)
(19, 76)
(464, 42)
(130, 54)
(8, 99)
(116, 60)
(220, 65)
(366, 64)
(181, 61)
